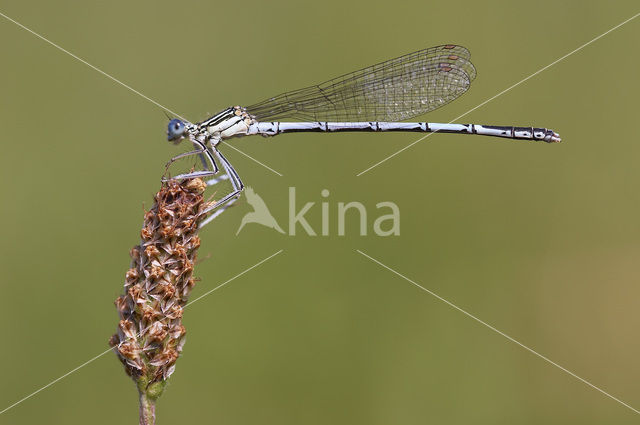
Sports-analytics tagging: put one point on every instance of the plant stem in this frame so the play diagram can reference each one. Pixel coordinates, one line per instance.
(147, 409)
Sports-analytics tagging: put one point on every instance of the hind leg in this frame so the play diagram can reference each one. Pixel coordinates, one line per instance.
(229, 199)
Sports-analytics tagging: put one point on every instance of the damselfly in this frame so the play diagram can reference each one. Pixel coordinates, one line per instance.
(372, 99)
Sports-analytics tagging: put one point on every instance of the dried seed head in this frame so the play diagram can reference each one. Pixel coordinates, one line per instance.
(196, 186)
(150, 333)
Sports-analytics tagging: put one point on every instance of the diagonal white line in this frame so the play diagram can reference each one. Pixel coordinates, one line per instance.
(235, 277)
(91, 66)
(55, 380)
(253, 159)
(503, 91)
(111, 77)
(450, 304)
(105, 352)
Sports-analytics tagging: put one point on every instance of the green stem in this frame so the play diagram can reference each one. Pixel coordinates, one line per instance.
(147, 409)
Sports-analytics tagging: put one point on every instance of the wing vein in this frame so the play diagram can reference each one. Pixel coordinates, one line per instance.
(393, 90)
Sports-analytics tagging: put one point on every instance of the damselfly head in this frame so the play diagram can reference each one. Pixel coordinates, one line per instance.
(176, 130)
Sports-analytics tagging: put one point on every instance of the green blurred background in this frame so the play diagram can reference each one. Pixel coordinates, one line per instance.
(540, 241)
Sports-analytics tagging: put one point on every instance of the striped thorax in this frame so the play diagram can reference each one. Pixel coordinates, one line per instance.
(228, 123)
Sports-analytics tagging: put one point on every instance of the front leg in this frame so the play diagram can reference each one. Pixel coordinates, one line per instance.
(208, 161)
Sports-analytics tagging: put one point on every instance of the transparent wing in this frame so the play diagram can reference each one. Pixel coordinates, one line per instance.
(394, 90)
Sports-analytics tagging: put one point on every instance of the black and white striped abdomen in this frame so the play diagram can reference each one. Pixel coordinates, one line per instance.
(524, 133)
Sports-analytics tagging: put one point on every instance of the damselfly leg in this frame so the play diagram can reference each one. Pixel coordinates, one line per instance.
(209, 171)
(207, 157)
(203, 157)
(232, 197)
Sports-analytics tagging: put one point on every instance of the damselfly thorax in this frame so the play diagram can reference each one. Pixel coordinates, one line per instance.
(234, 121)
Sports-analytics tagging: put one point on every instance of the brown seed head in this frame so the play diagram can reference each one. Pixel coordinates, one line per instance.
(150, 333)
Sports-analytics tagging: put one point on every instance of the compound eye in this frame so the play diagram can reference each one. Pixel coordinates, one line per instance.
(175, 129)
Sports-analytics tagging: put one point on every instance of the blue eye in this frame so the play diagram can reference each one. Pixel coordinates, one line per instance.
(175, 130)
